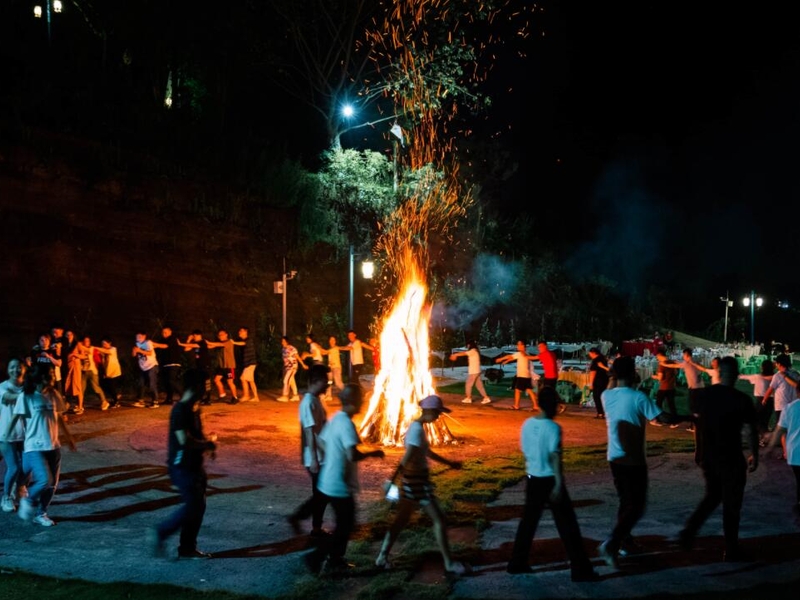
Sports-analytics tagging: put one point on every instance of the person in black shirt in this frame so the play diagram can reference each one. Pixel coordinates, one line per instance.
(186, 446)
(598, 379)
(722, 412)
(200, 359)
(168, 354)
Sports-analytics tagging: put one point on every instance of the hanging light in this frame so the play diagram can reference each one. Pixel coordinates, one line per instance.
(37, 11)
(57, 6)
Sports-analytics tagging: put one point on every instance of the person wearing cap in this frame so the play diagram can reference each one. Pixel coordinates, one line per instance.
(338, 479)
(416, 490)
(782, 389)
(540, 440)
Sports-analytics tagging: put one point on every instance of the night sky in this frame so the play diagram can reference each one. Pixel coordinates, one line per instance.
(656, 143)
(659, 140)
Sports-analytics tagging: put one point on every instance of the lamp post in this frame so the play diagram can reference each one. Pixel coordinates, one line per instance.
(280, 288)
(51, 6)
(752, 301)
(728, 303)
(367, 270)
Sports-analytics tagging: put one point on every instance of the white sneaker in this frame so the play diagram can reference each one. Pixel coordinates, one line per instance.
(25, 511)
(43, 520)
(467, 401)
(486, 400)
(283, 398)
(7, 504)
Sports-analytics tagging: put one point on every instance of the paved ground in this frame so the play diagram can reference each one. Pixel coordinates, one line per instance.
(115, 486)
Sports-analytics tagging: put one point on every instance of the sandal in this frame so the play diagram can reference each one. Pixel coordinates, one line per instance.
(457, 568)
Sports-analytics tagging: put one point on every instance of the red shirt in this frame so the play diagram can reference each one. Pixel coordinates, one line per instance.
(549, 363)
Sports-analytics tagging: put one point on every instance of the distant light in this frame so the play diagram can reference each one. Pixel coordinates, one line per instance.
(783, 304)
(168, 101)
(367, 269)
(37, 11)
(57, 6)
(746, 301)
(348, 110)
(759, 301)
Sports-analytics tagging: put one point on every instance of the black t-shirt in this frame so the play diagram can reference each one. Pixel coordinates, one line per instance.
(171, 355)
(185, 416)
(200, 357)
(722, 412)
(600, 374)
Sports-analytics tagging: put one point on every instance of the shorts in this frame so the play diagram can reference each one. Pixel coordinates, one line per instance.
(417, 487)
(522, 383)
(249, 373)
(226, 373)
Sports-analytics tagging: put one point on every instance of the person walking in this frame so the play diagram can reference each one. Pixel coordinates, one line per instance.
(667, 378)
(789, 426)
(522, 380)
(781, 388)
(764, 410)
(186, 449)
(338, 480)
(473, 373)
(40, 408)
(549, 364)
(598, 379)
(112, 371)
(249, 364)
(356, 348)
(540, 441)
(12, 442)
(416, 490)
(168, 355)
(291, 360)
(312, 419)
(335, 364)
(145, 355)
(90, 374)
(722, 413)
(627, 412)
(227, 365)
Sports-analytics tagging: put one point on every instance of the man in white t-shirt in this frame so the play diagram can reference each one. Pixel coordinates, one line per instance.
(145, 354)
(312, 419)
(522, 380)
(540, 441)
(782, 388)
(789, 426)
(627, 413)
(473, 372)
(356, 349)
(338, 479)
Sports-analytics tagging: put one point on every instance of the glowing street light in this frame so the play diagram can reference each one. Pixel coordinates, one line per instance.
(51, 6)
(367, 271)
(752, 301)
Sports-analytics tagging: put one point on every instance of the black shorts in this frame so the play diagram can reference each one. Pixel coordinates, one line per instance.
(523, 383)
(226, 373)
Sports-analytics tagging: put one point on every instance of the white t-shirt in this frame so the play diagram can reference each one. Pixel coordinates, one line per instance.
(760, 383)
(790, 421)
(41, 421)
(356, 352)
(627, 413)
(312, 414)
(316, 352)
(338, 476)
(334, 359)
(539, 439)
(415, 436)
(474, 358)
(111, 361)
(523, 365)
(7, 412)
(146, 361)
(783, 392)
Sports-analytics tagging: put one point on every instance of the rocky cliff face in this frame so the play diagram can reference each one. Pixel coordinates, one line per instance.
(113, 258)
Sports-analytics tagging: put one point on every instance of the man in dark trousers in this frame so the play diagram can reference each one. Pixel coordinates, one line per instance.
(187, 446)
(598, 379)
(722, 411)
(168, 354)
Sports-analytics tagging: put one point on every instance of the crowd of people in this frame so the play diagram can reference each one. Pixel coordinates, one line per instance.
(32, 424)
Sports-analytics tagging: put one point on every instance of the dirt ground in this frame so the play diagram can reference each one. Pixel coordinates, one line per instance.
(116, 486)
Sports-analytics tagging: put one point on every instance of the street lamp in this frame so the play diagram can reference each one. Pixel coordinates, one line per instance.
(728, 303)
(752, 301)
(367, 270)
(279, 287)
(51, 6)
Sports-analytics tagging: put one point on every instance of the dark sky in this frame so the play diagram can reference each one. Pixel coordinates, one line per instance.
(658, 142)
